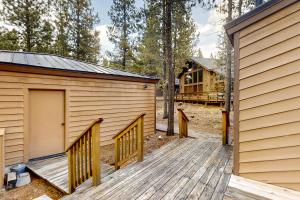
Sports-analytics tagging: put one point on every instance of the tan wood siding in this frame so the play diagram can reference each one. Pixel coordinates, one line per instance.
(269, 99)
(118, 102)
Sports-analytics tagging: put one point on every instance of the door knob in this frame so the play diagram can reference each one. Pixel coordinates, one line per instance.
(63, 123)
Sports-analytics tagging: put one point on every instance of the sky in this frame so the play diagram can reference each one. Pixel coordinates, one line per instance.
(207, 22)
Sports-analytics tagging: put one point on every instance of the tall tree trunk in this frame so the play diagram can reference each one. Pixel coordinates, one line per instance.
(124, 37)
(228, 61)
(240, 7)
(170, 65)
(165, 88)
(28, 29)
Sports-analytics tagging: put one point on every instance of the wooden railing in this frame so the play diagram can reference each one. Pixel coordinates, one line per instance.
(183, 123)
(2, 159)
(213, 96)
(225, 125)
(84, 157)
(129, 142)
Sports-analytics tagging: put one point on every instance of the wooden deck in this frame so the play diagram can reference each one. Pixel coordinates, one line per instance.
(55, 171)
(184, 169)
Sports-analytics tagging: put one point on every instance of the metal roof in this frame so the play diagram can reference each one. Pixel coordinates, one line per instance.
(207, 63)
(60, 63)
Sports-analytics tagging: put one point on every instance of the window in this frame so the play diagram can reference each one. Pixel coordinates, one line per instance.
(188, 78)
(195, 77)
(200, 75)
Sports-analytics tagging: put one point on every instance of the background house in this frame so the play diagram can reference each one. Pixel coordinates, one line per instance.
(47, 101)
(201, 81)
(266, 93)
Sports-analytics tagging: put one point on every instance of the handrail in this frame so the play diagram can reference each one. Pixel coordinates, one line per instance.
(129, 142)
(84, 157)
(2, 159)
(183, 123)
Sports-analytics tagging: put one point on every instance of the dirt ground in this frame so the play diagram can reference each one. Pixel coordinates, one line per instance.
(202, 118)
(36, 188)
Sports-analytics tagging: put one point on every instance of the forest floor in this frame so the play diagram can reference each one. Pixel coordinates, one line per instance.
(203, 119)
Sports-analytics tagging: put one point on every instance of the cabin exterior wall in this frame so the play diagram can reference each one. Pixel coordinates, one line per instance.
(267, 89)
(86, 99)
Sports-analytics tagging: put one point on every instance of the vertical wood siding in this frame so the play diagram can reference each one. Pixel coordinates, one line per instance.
(117, 102)
(269, 99)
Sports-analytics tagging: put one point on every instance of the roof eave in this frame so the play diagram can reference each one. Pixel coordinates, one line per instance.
(12, 67)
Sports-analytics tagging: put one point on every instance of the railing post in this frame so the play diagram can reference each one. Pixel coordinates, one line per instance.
(96, 168)
(180, 121)
(71, 172)
(224, 127)
(117, 153)
(140, 130)
(2, 159)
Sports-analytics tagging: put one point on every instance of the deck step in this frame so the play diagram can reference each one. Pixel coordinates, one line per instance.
(249, 189)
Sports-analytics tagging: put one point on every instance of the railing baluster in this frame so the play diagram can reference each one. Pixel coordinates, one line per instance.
(183, 124)
(129, 142)
(84, 157)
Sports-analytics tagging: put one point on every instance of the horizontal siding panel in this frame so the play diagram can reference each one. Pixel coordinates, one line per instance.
(11, 92)
(12, 98)
(282, 71)
(113, 102)
(112, 90)
(270, 154)
(14, 148)
(269, 132)
(270, 86)
(16, 154)
(11, 111)
(271, 143)
(274, 177)
(108, 98)
(272, 97)
(270, 29)
(4, 118)
(110, 114)
(111, 94)
(270, 109)
(280, 60)
(273, 39)
(14, 161)
(13, 136)
(12, 129)
(111, 107)
(270, 52)
(270, 120)
(85, 122)
(271, 166)
(14, 142)
(5, 124)
(270, 19)
(11, 105)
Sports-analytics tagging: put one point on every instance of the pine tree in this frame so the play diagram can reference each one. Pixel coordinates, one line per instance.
(151, 43)
(84, 40)
(124, 25)
(26, 15)
(9, 40)
(184, 32)
(45, 42)
(62, 46)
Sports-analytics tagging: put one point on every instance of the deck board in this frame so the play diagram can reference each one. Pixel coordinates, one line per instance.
(187, 168)
(55, 171)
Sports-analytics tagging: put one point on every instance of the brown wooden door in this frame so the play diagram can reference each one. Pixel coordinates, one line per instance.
(46, 123)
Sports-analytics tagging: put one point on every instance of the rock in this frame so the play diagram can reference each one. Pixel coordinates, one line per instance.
(23, 179)
(160, 137)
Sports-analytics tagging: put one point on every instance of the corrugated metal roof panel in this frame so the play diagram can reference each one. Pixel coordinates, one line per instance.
(58, 62)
